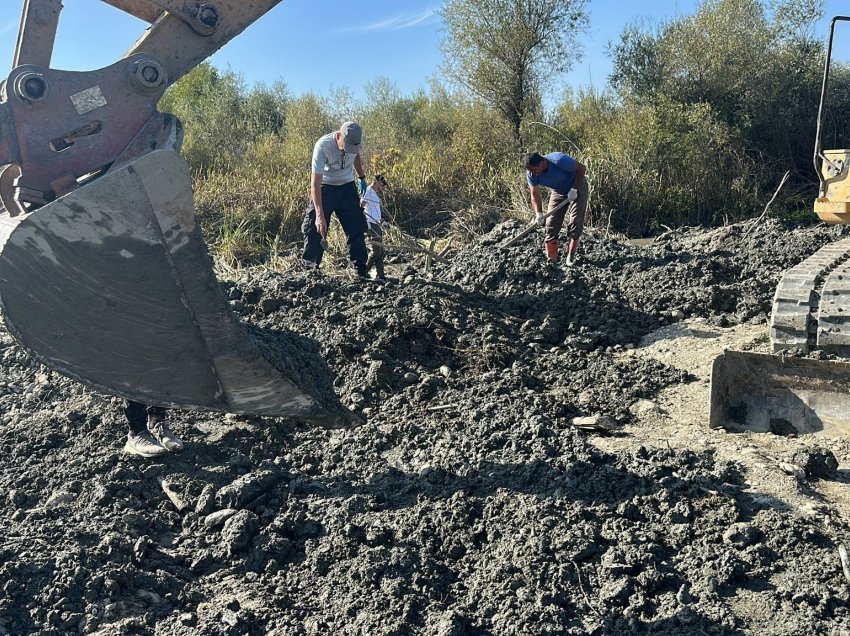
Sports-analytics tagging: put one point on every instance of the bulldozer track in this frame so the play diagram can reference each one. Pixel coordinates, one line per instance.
(811, 307)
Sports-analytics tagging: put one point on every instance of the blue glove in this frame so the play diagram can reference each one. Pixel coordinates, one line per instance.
(361, 186)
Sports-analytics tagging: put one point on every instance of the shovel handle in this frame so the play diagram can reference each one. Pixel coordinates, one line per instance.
(533, 225)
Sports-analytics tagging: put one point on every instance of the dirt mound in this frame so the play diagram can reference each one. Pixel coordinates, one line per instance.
(465, 503)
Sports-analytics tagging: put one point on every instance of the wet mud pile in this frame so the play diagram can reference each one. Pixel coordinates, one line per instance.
(464, 502)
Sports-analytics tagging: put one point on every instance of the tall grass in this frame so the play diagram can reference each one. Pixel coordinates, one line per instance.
(452, 165)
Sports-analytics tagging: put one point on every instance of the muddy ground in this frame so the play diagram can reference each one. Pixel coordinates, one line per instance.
(465, 502)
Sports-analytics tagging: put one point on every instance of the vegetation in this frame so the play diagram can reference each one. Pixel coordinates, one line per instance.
(702, 117)
(504, 50)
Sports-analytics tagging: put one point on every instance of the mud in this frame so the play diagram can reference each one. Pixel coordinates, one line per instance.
(463, 503)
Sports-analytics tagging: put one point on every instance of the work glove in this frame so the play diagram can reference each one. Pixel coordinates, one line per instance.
(361, 186)
(572, 195)
(540, 218)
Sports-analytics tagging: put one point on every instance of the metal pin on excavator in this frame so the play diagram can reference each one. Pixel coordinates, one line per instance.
(104, 274)
(811, 311)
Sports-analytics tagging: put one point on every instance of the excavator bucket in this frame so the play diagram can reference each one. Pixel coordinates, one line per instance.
(779, 394)
(112, 285)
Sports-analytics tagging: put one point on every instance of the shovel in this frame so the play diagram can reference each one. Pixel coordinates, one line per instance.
(534, 224)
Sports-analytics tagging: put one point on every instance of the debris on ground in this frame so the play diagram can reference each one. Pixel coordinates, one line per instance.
(465, 502)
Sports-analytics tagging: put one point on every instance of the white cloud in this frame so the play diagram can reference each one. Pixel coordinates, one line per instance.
(396, 23)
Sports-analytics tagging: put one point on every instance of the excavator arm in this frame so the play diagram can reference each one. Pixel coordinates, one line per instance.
(60, 127)
(104, 274)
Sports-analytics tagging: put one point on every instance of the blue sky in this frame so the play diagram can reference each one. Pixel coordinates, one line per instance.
(313, 46)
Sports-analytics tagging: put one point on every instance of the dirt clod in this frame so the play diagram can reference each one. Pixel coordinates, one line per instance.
(817, 462)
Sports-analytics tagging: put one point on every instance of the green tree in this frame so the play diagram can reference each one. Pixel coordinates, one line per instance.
(504, 51)
(752, 66)
(209, 102)
(713, 56)
(264, 110)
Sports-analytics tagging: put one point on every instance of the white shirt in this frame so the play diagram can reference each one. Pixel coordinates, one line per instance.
(372, 209)
(335, 165)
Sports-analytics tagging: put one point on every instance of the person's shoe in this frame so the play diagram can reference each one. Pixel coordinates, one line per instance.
(380, 277)
(309, 266)
(144, 445)
(161, 433)
(572, 257)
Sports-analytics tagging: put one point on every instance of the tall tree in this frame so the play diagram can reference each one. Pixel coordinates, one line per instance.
(506, 51)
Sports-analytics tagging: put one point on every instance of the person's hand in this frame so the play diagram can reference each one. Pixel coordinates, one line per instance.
(572, 195)
(540, 218)
(321, 225)
(361, 186)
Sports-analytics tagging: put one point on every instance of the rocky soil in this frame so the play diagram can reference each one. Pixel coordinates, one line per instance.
(465, 502)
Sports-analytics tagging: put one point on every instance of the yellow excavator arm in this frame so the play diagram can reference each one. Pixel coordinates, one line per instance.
(831, 166)
(104, 274)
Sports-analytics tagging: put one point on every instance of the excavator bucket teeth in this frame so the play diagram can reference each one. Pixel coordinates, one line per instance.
(112, 285)
(779, 394)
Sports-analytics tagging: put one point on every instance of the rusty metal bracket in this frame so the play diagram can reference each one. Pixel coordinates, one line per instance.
(62, 127)
(68, 124)
(201, 17)
(37, 33)
(57, 126)
(179, 40)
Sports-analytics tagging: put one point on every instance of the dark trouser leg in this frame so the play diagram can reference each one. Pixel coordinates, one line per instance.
(313, 249)
(353, 223)
(576, 222)
(137, 416)
(376, 248)
(555, 222)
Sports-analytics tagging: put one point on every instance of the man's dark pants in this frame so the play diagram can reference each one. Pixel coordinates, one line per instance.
(343, 201)
(137, 415)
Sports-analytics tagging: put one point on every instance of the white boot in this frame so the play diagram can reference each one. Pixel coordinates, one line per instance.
(143, 444)
(162, 434)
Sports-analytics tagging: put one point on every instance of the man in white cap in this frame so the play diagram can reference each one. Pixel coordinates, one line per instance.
(336, 159)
